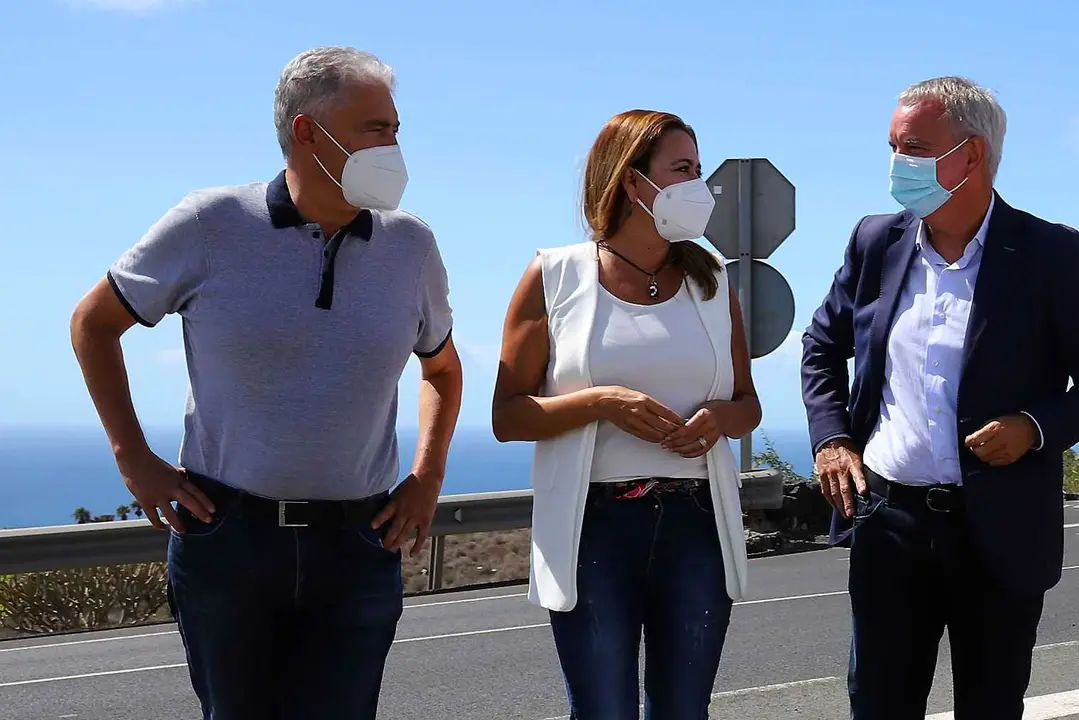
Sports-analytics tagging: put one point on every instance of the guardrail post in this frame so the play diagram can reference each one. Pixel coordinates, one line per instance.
(434, 563)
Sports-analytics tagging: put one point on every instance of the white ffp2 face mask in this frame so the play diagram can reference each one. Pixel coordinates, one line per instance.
(373, 178)
(681, 210)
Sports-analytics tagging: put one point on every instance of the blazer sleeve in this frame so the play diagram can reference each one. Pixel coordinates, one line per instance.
(1058, 418)
(827, 346)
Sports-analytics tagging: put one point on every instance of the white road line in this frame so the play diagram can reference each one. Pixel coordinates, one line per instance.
(790, 597)
(174, 632)
(743, 691)
(772, 688)
(1069, 526)
(752, 690)
(92, 675)
(87, 642)
(118, 638)
(469, 633)
(440, 603)
(38, 681)
(1040, 707)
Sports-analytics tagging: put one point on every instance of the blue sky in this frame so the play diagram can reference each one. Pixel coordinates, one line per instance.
(114, 109)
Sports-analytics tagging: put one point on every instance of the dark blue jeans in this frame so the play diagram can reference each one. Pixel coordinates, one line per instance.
(652, 564)
(913, 572)
(283, 623)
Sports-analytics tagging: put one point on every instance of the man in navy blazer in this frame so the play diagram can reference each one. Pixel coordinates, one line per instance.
(943, 458)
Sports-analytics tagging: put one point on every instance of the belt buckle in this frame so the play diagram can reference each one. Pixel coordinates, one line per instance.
(944, 492)
(282, 513)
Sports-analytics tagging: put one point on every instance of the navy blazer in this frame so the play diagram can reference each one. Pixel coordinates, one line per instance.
(1021, 348)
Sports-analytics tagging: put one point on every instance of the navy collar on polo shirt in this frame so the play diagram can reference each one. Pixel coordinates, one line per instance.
(285, 214)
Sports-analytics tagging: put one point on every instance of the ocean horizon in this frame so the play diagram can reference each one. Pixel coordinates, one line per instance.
(46, 473)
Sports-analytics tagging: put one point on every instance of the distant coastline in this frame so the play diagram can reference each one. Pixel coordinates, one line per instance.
(47, 472)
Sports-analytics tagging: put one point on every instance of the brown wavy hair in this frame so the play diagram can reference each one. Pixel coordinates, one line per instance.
(628, 140)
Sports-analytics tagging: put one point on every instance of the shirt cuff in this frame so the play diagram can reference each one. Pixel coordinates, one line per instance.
(1041, 436)
(829, 439)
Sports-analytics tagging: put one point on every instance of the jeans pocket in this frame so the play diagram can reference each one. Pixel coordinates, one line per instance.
(375, 538)
(194, 528)
(865, 506)
(702, 500)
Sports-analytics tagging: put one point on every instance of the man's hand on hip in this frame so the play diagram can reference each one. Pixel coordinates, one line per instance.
(156, 485)
(411, 507)
(1004, 440)
(839, 466)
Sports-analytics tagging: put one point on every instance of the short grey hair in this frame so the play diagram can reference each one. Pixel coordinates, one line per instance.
(972, 109)
(314, 81)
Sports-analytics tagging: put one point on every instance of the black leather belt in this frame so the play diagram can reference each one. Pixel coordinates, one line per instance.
(633, 489)
(291, 513)
(941, 498)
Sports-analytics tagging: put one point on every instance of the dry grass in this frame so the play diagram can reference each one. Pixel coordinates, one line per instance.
(475, 559)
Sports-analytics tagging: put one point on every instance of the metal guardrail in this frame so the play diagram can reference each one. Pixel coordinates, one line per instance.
(137, 541)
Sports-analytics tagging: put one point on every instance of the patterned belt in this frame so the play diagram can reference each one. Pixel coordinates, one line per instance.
(633, 489)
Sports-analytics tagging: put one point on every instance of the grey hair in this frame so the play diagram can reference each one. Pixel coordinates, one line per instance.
(972, 109)
(314, 81)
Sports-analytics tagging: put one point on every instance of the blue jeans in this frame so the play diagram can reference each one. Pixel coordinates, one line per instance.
(653, 564)
(913, 573)
(283, 623)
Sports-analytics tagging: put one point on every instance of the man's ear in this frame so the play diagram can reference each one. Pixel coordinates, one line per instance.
(303, 130)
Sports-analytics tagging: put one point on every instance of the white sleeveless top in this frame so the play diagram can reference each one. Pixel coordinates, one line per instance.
(662, 351)
(561, 466)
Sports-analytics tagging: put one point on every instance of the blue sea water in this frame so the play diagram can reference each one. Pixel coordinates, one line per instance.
(46, 473)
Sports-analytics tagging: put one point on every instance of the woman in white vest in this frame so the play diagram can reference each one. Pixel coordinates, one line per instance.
(624, 360)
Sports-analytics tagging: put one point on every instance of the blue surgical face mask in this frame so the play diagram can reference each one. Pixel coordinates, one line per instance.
(914, 182)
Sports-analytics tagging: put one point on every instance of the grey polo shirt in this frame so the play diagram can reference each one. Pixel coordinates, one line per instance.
(295, 343)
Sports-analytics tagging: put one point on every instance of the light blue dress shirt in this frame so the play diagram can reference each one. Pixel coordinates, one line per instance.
(915, 441)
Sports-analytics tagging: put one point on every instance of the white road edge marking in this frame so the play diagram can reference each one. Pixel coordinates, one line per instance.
(37, 681)
(88, 642)
(138, 636)
(469, 633)
(1039, 707)
(1069, 526)
(439, 603)
(743, 691)
(174, 632)
(91, 675)
(752, 690)
(118, 638)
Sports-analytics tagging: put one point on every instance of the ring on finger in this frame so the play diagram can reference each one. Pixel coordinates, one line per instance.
(703, 442)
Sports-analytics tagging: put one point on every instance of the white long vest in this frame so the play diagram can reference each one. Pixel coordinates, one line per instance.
(561, 466)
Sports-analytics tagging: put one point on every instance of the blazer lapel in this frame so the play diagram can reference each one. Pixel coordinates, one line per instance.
(998, 263)
(894, 266)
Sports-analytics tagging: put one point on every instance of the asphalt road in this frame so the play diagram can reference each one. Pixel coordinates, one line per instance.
(488, 654)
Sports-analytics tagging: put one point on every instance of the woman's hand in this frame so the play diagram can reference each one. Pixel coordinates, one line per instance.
(638, 414)
(698, 435)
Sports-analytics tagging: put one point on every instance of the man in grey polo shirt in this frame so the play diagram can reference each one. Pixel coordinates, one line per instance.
(301, 301)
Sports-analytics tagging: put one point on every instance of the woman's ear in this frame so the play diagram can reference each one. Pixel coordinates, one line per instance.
(629, 185)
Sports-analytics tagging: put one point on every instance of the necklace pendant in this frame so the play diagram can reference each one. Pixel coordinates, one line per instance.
(653, 289)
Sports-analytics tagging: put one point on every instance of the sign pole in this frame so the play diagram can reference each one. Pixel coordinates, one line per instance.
(745, 278)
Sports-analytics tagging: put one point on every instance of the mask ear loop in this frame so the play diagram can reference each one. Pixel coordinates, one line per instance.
(334, 141)
(649, 181)
(964, 142)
